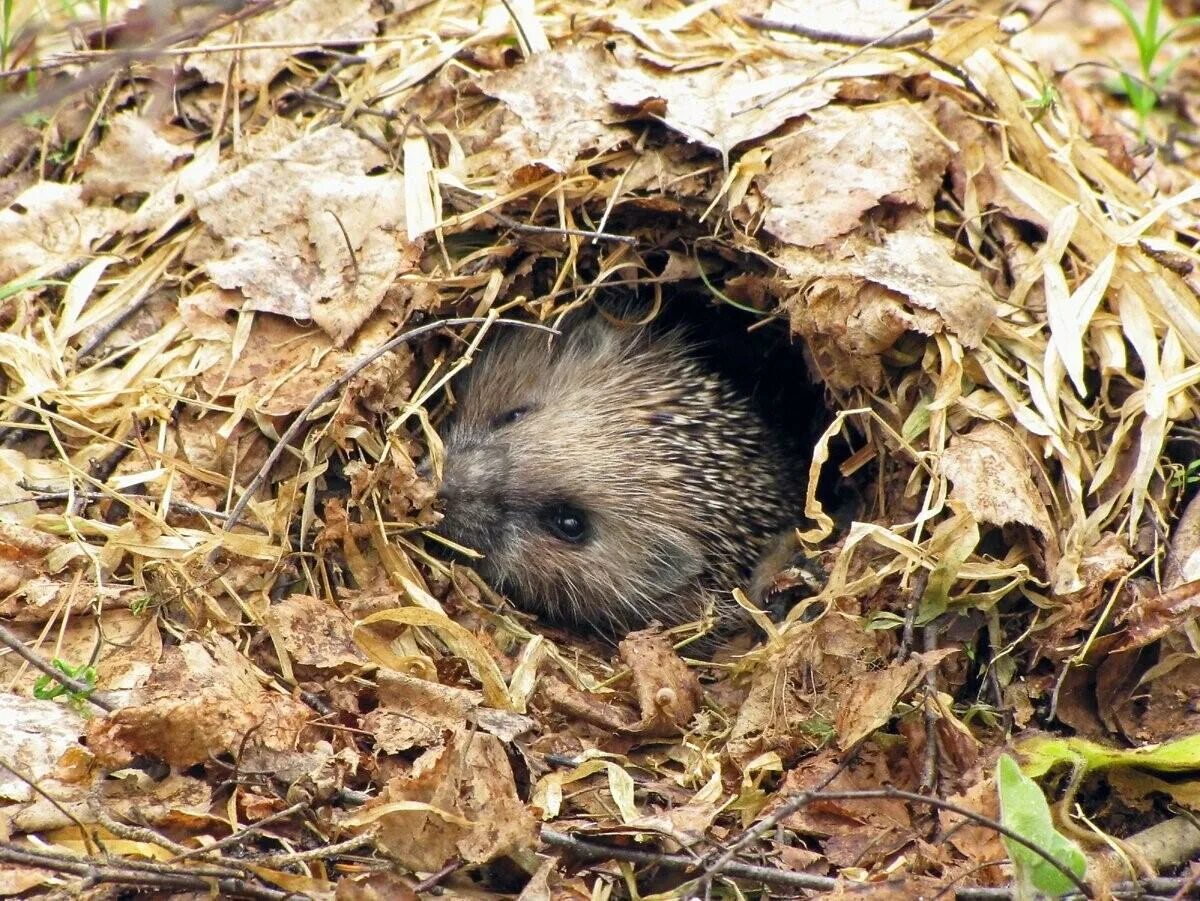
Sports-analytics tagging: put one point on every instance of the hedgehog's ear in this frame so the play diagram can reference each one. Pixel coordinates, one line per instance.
(673, 560)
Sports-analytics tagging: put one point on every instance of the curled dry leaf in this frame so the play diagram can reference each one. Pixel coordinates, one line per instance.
(458, 802)
(200, 702)
(668, 692)
(926, 290)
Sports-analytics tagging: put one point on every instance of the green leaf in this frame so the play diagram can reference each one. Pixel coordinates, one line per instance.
(918, 420)
(1024, 810)
(1130, 19)
(1042, 754)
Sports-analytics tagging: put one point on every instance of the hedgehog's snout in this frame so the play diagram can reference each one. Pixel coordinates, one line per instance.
(470, 497)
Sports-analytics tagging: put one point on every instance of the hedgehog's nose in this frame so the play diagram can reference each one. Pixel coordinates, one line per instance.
(425, 470)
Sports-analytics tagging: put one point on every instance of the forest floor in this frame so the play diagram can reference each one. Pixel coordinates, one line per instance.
(244, 249)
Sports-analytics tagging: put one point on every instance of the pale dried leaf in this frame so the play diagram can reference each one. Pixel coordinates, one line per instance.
(991, 475)
(827, 174)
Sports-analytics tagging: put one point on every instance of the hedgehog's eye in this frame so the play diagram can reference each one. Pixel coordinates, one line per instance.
(516, 414)
(566, 522)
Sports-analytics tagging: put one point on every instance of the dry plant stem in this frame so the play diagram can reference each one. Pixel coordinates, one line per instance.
(117, 60)
(434, 878)
(803, 799)
(1145, 890)
(509, 222)
(766, 875)
(114, 872)
(44, 494)
(341, 382)
(241, 835)
(890, 41)
(466, 202)
(910, 613)
(277, 861)
(135, 833)
(13, 641)
(929, 778)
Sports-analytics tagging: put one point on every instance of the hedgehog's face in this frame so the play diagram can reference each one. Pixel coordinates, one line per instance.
(549, 474)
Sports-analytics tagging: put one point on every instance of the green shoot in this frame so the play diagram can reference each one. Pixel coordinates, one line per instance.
(6, 31)
(47, 688)
(1144, 89)
(1183, 477)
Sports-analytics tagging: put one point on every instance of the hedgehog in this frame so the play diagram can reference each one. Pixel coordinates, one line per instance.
(611, 478)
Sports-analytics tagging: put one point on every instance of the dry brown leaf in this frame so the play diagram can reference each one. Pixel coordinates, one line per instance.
(135, 156)
(417, 713)
(459, 802)
(875, 696)
(34, 735)
(200, 702)
(828, 173)
(920, 266)
(48, 227)
(668, 692)
(558, 110)
(343, 21)
(17, 879)
(724, 105)
(796, 693)
(868, 19)
(978, 843)
(586, 706)
(307, 234)
(313, 632)
(1183, 554)
(991, 475)
(860, 823)
(132, 643)
(131, 796)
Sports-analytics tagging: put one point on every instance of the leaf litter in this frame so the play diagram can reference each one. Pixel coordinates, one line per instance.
(992, 279)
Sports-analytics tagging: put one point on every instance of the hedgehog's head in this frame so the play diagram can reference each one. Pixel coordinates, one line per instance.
(560, 471)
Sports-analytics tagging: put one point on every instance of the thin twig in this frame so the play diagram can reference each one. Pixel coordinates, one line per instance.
(101, 699)
(239, 836)
(177, 506)
(765, 875)
(515, 225)
(803, 799)
(118, 60)
(929, 770)
(277, 861)
(891, 41)
(114, 872)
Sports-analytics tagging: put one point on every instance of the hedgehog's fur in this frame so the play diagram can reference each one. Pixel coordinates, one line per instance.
(610, 478)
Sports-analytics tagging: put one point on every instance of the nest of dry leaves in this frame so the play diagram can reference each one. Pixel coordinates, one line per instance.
(244, 252)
